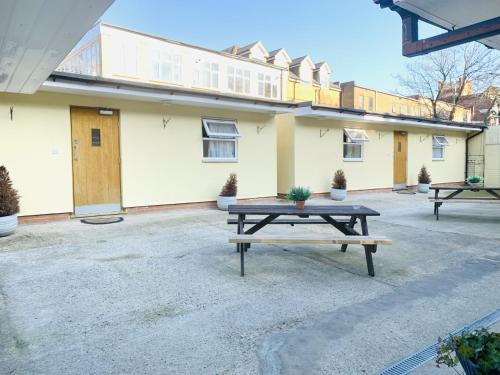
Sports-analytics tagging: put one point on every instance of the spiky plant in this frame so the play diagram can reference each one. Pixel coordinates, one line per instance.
(230, 188)
(299, 194)
(9, 198)
(424, 177)
(339, 180)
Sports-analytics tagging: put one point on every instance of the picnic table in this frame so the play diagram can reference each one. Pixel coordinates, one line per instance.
(342, 218)
(494, 196)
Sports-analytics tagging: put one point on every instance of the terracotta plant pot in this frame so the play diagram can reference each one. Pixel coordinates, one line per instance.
(300, 204)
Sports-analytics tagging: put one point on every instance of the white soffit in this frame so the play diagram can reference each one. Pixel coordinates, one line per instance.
(455, 13)
(35, 36)
(325, 114)
(164, 98)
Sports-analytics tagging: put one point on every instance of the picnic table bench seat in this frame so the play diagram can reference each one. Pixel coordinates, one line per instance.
(291, 222)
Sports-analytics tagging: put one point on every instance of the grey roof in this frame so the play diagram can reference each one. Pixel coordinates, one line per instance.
(247, 48)
(298, 60)
(319, 65)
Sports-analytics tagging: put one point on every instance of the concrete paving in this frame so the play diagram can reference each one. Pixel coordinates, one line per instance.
(161, 293)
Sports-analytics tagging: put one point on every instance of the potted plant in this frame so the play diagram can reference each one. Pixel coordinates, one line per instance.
(424, 180)
(227, 195)
(474, 181)
(9, 204)
(478, 352)
(339, 185)
(299, 195)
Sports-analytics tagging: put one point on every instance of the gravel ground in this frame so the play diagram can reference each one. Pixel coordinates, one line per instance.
(161, 293)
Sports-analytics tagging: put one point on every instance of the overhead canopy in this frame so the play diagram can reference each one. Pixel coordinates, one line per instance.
(35, 36)
(467, 20)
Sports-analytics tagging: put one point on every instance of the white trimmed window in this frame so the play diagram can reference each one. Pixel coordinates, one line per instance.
(394, 108)
(266, 87)
(220, 140)
(370, 103)
(354, 140)
(439, 142)
(207, 75)
(238, 80)
(165, 67)
(361, 102)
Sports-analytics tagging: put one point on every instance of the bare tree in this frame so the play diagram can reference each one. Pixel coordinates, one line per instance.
(444, 75)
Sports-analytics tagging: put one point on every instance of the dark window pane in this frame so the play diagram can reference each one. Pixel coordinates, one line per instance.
(96, 137)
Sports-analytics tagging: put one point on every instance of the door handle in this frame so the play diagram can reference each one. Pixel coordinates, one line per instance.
(75, 149)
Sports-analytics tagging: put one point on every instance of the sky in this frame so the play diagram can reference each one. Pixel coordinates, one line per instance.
(360, 41)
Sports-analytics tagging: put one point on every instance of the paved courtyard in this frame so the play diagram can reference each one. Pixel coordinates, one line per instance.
(160, 293)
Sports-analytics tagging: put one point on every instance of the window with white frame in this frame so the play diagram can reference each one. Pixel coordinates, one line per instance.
(402, 109)
(439, 142)
(207, 75)
(220, 140)
(266, 87)
(354, 140)
(370, 103)
(394, 108)
(361, 102)
(238, 80)
(165, 67)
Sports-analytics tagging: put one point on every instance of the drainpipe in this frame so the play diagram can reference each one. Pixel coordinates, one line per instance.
(467, 151)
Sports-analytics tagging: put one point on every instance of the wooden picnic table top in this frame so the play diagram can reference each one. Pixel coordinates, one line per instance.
(457, 187)
(281, 209)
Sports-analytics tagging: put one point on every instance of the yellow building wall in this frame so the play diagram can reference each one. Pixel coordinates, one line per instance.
(286, 152)
(492, 156)
(299, 92)
(159, 166)
(317, 158)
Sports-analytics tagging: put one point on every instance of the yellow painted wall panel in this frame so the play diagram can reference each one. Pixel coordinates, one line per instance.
(159, 165)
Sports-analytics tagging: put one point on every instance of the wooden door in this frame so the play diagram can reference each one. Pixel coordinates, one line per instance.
(400, 157)
(96, 161)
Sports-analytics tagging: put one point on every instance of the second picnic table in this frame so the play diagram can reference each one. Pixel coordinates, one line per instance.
(343, 218)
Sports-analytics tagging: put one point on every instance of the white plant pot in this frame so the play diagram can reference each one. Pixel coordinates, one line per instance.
(8, 225)
(474, 184)
(423, 188)
(224, 202)
(338, 194)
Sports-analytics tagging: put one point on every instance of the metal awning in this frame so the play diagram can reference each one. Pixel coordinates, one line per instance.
(465, 21)
(35, 36)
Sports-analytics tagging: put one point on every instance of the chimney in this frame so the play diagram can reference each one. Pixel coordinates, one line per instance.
(234, 49)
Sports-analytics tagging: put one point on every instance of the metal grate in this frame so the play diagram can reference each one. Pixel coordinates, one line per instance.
(425, 355)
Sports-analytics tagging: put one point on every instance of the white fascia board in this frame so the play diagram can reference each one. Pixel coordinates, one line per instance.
(374, 119)
(164, 98)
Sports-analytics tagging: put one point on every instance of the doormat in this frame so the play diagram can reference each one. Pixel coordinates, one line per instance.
(102, 220)
(406, 192)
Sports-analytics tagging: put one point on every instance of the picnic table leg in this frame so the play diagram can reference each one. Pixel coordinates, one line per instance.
(351, 224)
(240, 230)
(242, 259)
(437, 210)
(368, 248)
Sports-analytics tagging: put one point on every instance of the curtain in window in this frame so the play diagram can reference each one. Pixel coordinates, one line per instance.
(221, 149)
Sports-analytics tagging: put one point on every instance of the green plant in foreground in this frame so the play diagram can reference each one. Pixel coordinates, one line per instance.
(474, 179)
(481, 347)
(298, 194)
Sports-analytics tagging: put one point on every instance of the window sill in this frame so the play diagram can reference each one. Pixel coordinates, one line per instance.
(347, 159)
(442, 159)
(207, 160)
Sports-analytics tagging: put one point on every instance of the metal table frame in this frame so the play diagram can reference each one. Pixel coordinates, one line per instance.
(327, 213)
(457, 190)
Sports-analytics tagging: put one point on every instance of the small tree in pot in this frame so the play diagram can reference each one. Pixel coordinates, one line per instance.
(339, 186)
(227, 195)
(424, 180)
(299, 195)
(9, 204)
